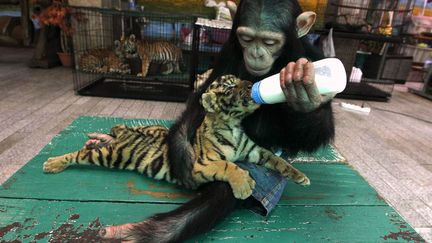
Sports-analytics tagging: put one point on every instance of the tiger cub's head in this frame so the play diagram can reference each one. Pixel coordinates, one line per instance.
(229, 97)
(126, 47)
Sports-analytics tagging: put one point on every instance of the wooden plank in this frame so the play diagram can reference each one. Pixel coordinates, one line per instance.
(123, 108)
(54, 221)
(10, 141)
(158, 110)
(146, 109)
(426, 233)
(134, 108)
(109, 110)
(96, 109)
(168, 111)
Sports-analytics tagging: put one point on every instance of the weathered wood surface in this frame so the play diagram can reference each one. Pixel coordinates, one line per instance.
(53, 221)
(83, 198)
(392, 152)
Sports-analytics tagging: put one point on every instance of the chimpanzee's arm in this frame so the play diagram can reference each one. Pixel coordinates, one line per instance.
(281, 126)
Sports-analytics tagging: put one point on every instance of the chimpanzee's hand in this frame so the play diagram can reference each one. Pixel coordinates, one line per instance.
(98, 140)
(297, 80)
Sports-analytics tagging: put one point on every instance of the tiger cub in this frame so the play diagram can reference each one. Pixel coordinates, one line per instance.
(102, 60)
(160, 52)
(219, 141)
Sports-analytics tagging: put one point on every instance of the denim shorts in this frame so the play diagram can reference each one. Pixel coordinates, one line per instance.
(268, 188)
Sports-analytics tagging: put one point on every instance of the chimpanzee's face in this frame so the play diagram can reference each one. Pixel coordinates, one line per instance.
(260, 48)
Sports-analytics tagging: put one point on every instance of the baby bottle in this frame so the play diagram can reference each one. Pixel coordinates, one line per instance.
(330, 77)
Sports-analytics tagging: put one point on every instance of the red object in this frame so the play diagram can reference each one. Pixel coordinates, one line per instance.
(66, 59)
(58, 15)
(184, 31)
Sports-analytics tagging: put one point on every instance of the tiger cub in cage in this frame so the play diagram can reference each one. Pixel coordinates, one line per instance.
(103, 60)
(160, 52)
(219, 141)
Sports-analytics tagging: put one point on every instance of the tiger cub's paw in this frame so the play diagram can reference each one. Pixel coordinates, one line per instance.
(55, 165)
(242, 185)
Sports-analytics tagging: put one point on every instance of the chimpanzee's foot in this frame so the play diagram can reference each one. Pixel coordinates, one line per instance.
(122, 232)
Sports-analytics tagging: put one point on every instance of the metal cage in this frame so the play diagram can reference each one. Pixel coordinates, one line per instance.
(97, 58)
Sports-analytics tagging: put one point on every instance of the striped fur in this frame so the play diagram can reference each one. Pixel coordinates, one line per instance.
(102, 60)
(160, 52)
(219, 141)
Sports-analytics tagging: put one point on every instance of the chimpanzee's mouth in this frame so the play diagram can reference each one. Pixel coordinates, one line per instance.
(257, 71)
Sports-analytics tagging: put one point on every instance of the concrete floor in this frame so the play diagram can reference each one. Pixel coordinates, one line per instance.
(391, 147)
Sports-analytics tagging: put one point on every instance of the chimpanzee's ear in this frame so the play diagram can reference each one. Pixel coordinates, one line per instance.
(305, 21)
(209, 102)
(232, 8)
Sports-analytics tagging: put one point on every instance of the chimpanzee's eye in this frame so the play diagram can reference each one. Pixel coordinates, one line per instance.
(246, 38)
(269, 42)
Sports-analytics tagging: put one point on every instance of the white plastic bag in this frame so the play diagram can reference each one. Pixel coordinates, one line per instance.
(356, 75)
(328, 46)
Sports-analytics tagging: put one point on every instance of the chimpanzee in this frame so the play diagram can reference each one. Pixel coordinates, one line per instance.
(267, 37)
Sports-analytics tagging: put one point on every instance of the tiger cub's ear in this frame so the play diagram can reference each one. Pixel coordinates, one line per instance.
(209, 102)
(132, 38)
(117, 44)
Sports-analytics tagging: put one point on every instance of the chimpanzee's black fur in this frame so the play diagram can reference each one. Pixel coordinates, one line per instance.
(199, 215)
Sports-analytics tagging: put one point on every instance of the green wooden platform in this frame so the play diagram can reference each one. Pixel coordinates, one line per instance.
(71, 206)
